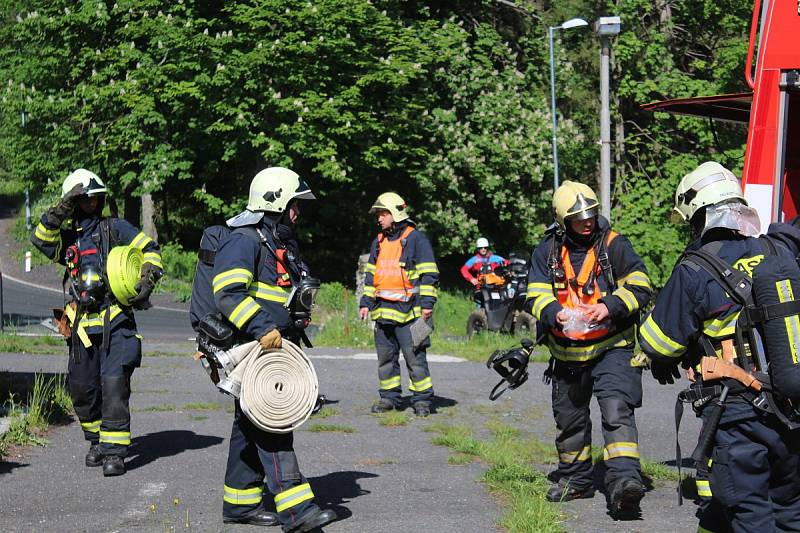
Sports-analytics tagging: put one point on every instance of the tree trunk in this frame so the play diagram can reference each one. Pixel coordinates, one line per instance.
(148, 217)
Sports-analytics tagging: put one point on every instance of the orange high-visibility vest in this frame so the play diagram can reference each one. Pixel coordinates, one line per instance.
(284, 279)
(391, 279)
(570, 296)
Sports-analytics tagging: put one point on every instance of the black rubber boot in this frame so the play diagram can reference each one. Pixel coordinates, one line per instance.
(259, 518)
(383, 406)
(422, 409)
(625, 496)
(113, 465)
(94, 457)
(562, 491)
(317, 519)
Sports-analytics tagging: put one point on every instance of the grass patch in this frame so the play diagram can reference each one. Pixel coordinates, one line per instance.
(326, 412)
(510, 475)
(393, 419)
(155, 408)
(47, 402)
(32, 345)
(659, 471)
(202, 406)
(330, 428)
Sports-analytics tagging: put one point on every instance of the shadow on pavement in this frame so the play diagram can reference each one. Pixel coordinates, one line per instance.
(148, 448)
(7, 467)
(333, 490)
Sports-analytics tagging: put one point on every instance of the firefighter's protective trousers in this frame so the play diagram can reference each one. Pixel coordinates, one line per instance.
(618, 388)
(255, 456)
(755, 473)
(100, 386)
(391, 339)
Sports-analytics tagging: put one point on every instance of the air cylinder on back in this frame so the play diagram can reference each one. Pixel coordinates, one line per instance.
(777, 280)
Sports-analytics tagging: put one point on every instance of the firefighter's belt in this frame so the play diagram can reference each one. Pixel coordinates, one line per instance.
(714, 368)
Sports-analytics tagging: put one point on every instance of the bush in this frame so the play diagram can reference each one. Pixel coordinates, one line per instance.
(178, 264)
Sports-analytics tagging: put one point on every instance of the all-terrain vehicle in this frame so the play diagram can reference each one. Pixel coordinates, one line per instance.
(501, 298)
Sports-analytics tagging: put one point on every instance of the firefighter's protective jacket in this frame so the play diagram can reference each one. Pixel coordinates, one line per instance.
(86, 234)
(632, 293)
(417, 265)
(692, 303)
(245, 282)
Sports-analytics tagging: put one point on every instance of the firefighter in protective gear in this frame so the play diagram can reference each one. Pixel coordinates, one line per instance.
(105, 347)
(254, 270)
(483, 262)
(400, 287)
(585, 288)
(755, 460)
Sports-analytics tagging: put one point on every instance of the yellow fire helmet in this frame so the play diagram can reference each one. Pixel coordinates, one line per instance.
(708, 184)
(123, 268)
(89, 180)
(274, 188)
(392, 202)
(574, 201)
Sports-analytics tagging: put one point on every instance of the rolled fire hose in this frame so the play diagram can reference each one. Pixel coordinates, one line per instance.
(124, 268)
(277, 388)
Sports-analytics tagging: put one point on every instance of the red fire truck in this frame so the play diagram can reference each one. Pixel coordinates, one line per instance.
(771, 175)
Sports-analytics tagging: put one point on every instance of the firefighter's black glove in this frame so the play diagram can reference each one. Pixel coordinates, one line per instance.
(665, 372)
(63, 210)
(144, 287)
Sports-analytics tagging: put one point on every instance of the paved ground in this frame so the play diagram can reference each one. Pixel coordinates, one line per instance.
(380, 479)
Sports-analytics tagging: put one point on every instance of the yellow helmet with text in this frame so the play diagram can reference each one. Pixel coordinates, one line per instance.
(574, 201)
(392, 202)
(708, 184)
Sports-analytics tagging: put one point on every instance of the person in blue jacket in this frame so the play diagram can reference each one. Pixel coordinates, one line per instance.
(105, 347)
(755, 459)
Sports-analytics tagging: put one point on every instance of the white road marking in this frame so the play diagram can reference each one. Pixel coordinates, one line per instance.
(141, 504)
(432, 358)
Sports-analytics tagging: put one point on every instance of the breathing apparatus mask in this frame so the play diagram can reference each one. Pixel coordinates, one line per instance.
(512, 365)
(90, 286)
(301, 301)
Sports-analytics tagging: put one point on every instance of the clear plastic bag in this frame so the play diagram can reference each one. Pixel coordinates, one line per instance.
(577, 323)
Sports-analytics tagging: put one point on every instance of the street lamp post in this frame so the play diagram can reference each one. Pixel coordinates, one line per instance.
(571, 23)
(606, 28)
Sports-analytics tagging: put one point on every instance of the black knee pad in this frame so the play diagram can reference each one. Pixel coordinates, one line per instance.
(616, 411)
(81, 402)
(116, 393)
(287, 463)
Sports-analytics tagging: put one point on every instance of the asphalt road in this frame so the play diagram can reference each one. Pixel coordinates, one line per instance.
(379, 479)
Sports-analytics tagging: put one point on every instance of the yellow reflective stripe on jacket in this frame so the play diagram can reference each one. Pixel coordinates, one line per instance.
(369, 291)
(116, 437)
(620, 449)
(153, 258)
(294, 496)
(244, 312)
(272, 293)
(785, 294)
(234, 275)
(243, 496)
(427, 268)
(395, 315)
(703, 488)
(590, 351)
(658, 341)
(411, 274)
(721, 327)
(636, 278)
(572, 457)
(539, 289)
(141, 240)
(389, 383)
(628, 298)
(96, 319)
(428, 290)
(92, 427)
(369, 267)
(540, 303)
(46, 235)
(421, 385)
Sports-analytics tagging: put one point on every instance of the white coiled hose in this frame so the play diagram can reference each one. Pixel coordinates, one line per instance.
(279, 387)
